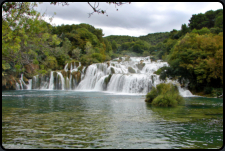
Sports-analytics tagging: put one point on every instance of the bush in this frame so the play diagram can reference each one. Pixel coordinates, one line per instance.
(164, 95)
(151, 95)
(98, 57)
(158, 72)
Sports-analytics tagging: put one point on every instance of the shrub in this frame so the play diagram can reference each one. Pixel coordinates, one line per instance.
(151, 95)
(158, 71)
(164, 95)
(97, 56)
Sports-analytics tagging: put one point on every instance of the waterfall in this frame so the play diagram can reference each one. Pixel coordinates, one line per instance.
(65, 68)
(23, 85)
(17, 86)
(134, 76)
(29, 86)
(62, 80)
(51, 83)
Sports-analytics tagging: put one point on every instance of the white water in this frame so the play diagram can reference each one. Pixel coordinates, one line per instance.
(51, 84)
(62, 79)
(122, 81)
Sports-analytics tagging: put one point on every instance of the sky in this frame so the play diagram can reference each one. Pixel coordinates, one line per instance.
(134, 19)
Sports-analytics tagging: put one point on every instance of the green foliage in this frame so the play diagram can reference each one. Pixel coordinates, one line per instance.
(151, 95)
(158, 72)
(219, 21)
(114, 46)
(202, 31)
(76, 53)
(164, 95)
(155, 38)
(88, 48)
(98, 56)
(25, 38)
(121, 39)
(192, 59)
(51, 63)
(209, 19)
(146, 53)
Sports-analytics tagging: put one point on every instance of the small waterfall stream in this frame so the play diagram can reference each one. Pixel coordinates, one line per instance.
(134, 76)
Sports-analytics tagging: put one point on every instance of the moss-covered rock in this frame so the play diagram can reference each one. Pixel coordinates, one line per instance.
(127, 58)
(108, 63)
(77, 76)
(140, 65)
(131, 70)
(106, 81)
(112, 70)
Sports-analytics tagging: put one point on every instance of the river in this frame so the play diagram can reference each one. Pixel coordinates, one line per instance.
(92, 119)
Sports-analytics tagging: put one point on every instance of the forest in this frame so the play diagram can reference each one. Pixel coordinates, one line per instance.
(32, 46)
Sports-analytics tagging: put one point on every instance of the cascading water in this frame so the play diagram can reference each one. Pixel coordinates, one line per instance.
(134, 76)
(51, 83)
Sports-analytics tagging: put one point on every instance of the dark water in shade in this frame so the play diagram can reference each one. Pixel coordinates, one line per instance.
(72, 119)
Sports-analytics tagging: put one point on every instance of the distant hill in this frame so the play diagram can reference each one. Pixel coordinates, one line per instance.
(121, 39)
(153, 38)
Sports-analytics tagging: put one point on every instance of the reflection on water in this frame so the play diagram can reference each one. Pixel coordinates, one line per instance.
(70, 119)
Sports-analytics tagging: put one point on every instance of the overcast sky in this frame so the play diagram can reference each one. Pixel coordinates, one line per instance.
(133, 19)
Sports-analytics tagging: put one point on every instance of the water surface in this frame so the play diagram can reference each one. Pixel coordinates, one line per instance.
(76, 119)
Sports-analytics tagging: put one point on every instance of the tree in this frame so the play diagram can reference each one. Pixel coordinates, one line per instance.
(137, 48)
(88, 48)
(95, 6)
(194, 59)
(76, 53)
(197, 21)
(25, 35)
(219, 21)
(209, 19)
(114, 46)
(184, 29)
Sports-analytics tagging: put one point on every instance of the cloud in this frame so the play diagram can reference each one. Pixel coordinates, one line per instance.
(132, 19)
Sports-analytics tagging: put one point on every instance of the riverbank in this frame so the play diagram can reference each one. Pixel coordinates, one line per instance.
(205, 95)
